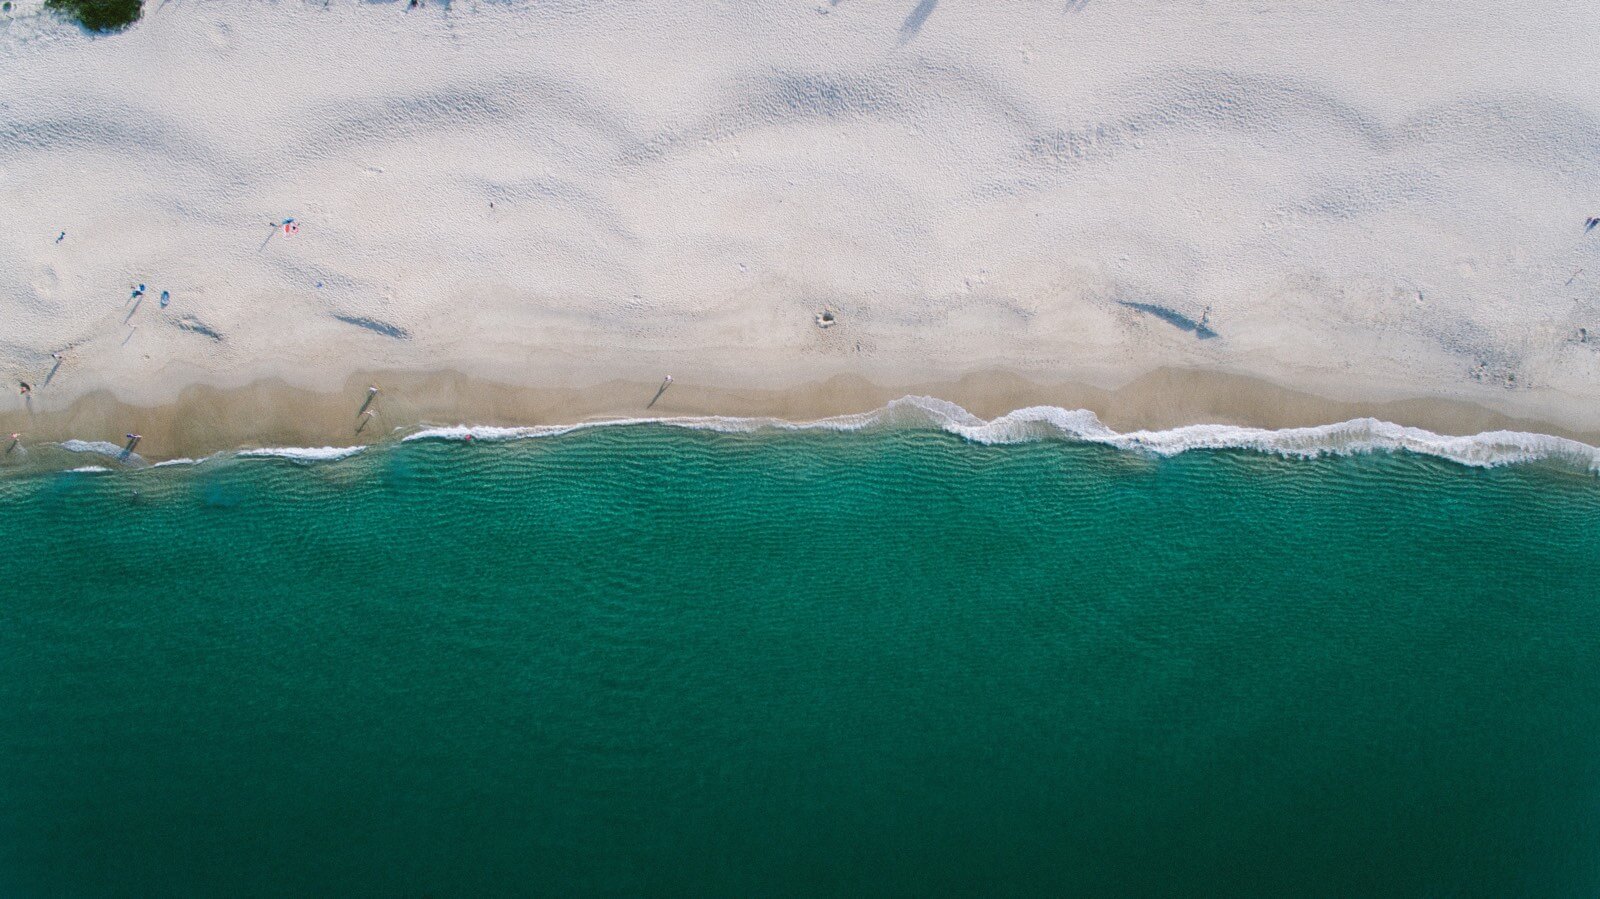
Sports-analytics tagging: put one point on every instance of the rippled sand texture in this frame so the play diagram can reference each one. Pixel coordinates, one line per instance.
(1363, 200)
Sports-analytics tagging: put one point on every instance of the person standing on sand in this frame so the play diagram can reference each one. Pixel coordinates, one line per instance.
(665, 383)
(24, 388)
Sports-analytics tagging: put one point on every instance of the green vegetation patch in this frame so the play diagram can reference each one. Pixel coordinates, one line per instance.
(98, 15)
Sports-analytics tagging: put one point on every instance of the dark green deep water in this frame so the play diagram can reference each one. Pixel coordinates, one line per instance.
(648, 660)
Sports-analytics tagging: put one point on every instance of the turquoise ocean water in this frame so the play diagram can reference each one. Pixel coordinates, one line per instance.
(650, 660)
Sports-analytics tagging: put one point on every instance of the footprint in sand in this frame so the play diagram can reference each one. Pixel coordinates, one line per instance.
(221, 36)
(45, 282)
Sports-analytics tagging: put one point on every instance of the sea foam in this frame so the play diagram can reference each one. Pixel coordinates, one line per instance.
(102, 448)
(303, 453)
(1359, 435)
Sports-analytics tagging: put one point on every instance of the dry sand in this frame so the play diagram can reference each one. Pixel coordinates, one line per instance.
(1381, 206)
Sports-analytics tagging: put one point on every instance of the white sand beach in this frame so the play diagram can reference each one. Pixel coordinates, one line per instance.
(1368, 202)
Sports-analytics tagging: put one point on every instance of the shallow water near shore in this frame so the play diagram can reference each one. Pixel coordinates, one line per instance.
(655, 659)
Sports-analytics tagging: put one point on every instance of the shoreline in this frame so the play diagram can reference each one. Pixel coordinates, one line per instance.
(271, 413)
(590, 196)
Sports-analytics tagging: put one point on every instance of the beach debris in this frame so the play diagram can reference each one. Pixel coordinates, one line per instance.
(665, 383)
(826, 318)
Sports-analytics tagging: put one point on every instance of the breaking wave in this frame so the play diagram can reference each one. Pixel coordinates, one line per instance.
(1360, 435)
(303, 453)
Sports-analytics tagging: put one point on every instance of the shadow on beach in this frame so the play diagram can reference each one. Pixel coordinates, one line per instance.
(914, 21)
(1172, 317)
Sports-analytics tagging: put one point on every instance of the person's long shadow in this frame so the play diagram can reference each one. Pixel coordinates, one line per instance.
(1176, 319)
(914, 21)
(53, 369)
(139, 302)
(659, 390)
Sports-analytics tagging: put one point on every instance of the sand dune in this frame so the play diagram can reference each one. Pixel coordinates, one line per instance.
(1362, 200)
